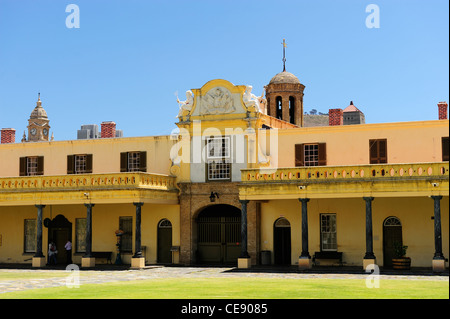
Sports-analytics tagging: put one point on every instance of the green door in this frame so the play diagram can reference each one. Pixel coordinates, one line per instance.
(219, 235)
(392, 232)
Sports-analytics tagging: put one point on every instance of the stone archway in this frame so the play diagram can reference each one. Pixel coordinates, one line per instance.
(59, 231)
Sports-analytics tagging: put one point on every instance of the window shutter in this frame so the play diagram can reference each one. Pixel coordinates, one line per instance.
(89, 163)
(382, 151)
(40, 165)
(322, 154)
(70, 164)
(23, 166)
(143, 162)
(445, 149)
(378, 151)
(124, 162)
(373, 152)
(299, 155)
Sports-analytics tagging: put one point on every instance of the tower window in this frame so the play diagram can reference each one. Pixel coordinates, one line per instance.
(292, 110)
(279, 110)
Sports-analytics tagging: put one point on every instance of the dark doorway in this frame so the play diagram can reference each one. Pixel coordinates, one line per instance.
(59, 231)
(392, 232)
(282, 242)
(164, 242)
(219, 234)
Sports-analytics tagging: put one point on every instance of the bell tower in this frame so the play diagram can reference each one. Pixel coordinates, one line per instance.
(38, 127)
(284, 95)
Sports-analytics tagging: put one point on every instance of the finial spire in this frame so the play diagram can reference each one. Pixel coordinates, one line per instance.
(39, 103)
(284, 55)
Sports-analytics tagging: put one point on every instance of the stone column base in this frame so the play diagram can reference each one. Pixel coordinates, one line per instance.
(244, 262)
(88, 262)
(304, 263)
(367, 262)
(137, 262)
(38, 262)
(438, 265)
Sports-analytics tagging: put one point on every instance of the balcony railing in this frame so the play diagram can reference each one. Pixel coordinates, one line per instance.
(438, 170)
(88, 181)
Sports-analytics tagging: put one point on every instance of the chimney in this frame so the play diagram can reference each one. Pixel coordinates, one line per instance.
(442, 110)
(108, 129)
(335, 117)
(8, 135)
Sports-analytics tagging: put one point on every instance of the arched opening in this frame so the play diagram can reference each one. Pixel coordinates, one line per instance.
(218, 234)
(59, 232)
(392, 233)
(282, 241)
(279, 109)
(164, 254)
(292, 110)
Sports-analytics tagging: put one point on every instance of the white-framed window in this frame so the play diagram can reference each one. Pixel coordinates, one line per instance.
(328, 238)
(80, 164)
(218, 147)
(218, 157)
(134, 161)
(311, 152)
(32, 166)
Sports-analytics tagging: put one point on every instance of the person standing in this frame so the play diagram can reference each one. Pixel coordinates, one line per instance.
(52, 253)
(68, 247)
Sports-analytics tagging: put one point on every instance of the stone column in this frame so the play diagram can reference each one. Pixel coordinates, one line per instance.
(39, 258)
(285, 108)
(138, 261)
(304, 261)
(244, 260)
(438, 263)
(88, 260)
(369, 257)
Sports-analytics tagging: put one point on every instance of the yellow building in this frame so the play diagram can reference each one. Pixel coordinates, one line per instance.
(243, 181)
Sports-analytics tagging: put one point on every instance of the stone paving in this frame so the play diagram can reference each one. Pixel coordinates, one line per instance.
(59, 277)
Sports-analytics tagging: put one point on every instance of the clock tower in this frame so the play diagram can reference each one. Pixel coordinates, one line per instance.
(38, 127)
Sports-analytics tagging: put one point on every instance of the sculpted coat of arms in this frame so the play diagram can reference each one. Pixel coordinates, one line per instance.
(218, 101)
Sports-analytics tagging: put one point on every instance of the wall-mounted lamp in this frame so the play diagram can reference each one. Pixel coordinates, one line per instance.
(213, 196)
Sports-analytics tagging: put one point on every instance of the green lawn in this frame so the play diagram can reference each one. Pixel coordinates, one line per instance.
(243, 288)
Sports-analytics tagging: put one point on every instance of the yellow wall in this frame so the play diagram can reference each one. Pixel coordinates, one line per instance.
(105, 221)
(106, 154)
(408, 142)
(414, 213)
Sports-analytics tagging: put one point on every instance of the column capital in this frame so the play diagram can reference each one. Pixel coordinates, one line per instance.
(40, 206)
(89, 205)
(368, 199)
(436, 197)
(303, 200)
(138, 204)
(244, 201)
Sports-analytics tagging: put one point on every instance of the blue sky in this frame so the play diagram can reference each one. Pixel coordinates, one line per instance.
(129, 57)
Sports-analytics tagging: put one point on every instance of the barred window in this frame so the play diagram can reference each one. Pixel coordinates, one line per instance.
(80, 164)
(218, 170)
(218, 158)
(311, 154)
(30, 235)
(32, 166)
(134, 160)
(328, 232)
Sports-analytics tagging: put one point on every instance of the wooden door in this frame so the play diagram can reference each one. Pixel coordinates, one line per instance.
(392, 232)
(164, 242)
(282, 242)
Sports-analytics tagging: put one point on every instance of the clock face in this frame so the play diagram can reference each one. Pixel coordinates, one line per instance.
(45, 131)
(33, 131)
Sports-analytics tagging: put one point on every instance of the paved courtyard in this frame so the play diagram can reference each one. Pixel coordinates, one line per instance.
(111, 274)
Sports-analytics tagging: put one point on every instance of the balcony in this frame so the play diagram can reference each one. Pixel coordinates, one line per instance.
(413, 179)
(115, 187)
